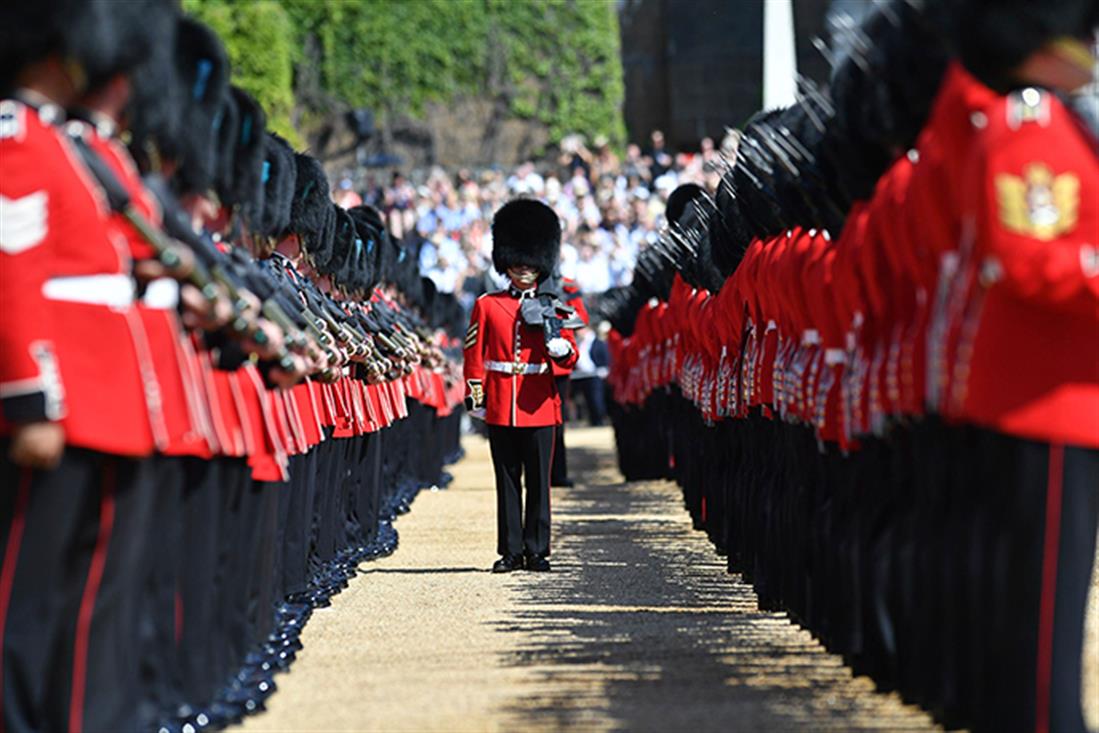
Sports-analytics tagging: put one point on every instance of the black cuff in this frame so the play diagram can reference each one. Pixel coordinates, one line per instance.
(25, 408)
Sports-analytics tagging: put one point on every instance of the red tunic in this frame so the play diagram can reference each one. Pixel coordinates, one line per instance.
(70, 335)
(498, 345)
(177, 394)
(1028, 351)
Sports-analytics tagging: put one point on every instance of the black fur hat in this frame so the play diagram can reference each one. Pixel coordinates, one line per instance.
(202, 67)
(321, 246)
(526, 232)
(408, 265)
(883, 94)
(341, 263)
(390, 258)
(246, 183)
(155, 109)
(679, 198)
(995, 36)
(228, 122)
(429, 306)
(370, 235)
(31, 31)
(729, 234)
(277, 175)
(111, 38)
(312, 202)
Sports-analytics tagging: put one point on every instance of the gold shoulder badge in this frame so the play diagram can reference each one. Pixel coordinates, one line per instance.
(1038, 204)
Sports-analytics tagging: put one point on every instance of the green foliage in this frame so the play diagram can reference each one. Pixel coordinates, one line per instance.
(556, 61)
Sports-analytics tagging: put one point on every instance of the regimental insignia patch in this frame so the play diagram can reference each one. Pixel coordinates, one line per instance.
(471, 335)
(1039, 204)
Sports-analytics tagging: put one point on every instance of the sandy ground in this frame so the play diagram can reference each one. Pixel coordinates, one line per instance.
(637, 628)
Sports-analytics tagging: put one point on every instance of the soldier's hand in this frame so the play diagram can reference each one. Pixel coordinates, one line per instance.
(149, 270)
(273, 343)
(37, 445)
(286, 378)
(200, 313)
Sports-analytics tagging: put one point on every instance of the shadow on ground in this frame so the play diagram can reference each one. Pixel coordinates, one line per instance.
(639, 628)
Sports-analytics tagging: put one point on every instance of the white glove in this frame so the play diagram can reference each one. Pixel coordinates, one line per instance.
(558, 347)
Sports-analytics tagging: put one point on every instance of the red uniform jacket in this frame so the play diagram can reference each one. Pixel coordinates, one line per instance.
(508, 360)
(570, 294)
(70, 338)
(1028, 353)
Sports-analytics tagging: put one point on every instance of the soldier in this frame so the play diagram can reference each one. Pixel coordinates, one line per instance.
(77, 424)
(1029, 278)
(514, 336)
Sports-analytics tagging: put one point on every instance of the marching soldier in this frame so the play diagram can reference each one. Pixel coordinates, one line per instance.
(513, 339)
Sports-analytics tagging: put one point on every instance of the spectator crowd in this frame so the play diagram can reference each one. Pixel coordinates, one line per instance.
(612, 206)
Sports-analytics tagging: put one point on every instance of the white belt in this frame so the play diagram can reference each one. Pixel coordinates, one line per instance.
(834, 356)
(115, 291)
(516, 367)
(810, 337)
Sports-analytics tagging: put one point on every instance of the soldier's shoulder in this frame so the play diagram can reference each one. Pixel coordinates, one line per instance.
(1027, 110)
(495, 295)
(23, 125)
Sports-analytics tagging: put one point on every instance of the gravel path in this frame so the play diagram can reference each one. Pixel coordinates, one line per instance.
(637, 628)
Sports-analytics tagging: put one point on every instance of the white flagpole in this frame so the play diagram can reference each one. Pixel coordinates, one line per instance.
(780, 65)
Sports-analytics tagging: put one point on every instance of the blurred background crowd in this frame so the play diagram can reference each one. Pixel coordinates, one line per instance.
(612, 206)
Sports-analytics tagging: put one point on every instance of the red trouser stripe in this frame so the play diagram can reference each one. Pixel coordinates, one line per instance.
(11, 559)
(87, 601)
(1049, 588)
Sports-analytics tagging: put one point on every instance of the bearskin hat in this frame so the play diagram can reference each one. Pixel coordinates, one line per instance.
(278, 176)
(202, 66)
(368, 226)
(32, 31)
(408, 264)
(312, 203)
(729, 234)
(429, 296)
(993, 37)
(321, 246)
(678, 200)
(111, 38)
(155, 109)
(526, 232)
(246, 181)
(390, 257)
(343, 245)
(228, 122)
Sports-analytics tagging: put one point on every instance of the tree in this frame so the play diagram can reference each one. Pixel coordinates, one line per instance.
(554, 61)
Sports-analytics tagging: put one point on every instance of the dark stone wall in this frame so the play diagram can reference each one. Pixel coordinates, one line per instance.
(694, 67)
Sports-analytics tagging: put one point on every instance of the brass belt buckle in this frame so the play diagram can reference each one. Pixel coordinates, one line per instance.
(517, 368)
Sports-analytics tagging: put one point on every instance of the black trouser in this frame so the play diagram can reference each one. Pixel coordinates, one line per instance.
(560, 472)
(72, 541)
(515, 452)
(1041, 566)
(160, 667)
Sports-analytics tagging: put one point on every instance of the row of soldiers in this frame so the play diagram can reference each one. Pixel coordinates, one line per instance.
(217, 387)
(871, 360)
